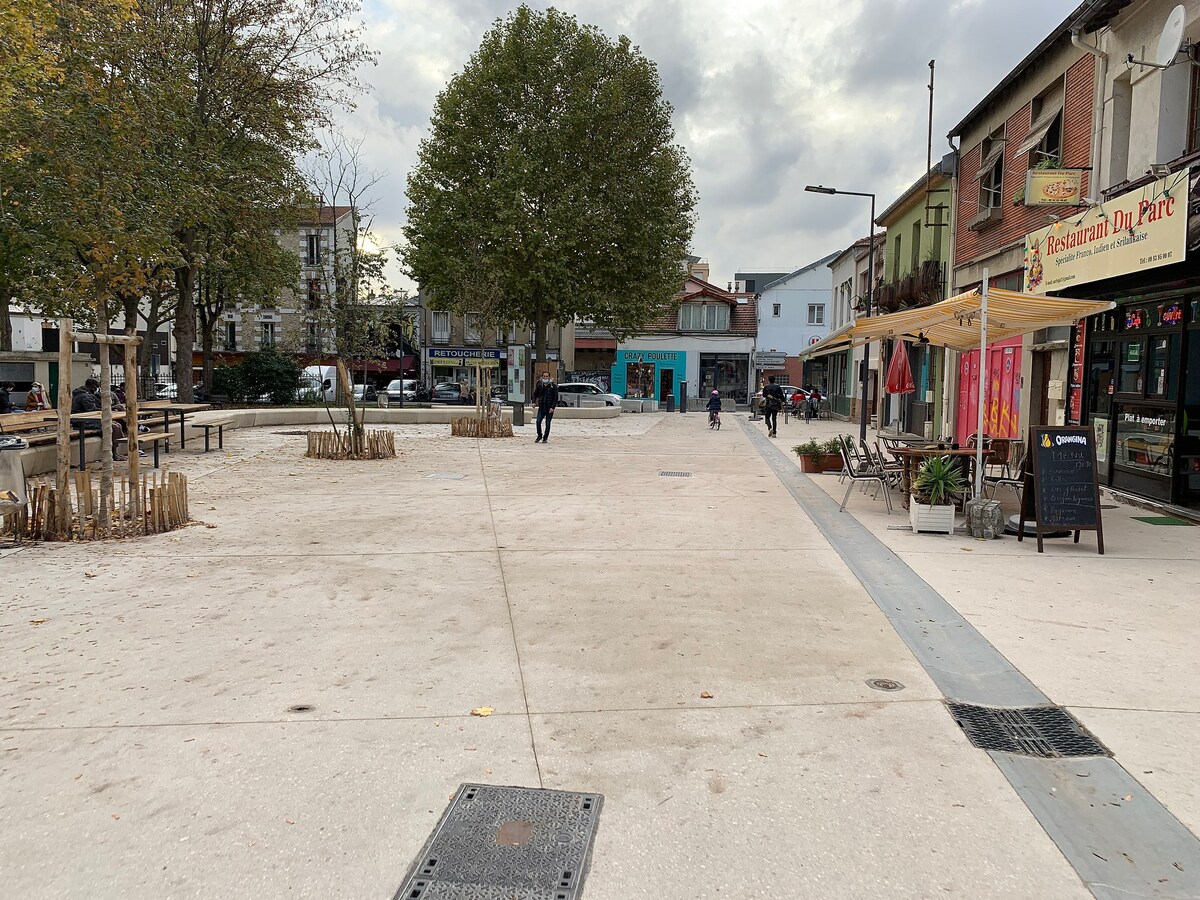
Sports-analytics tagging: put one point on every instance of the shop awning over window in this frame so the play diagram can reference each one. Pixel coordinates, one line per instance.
(1038, 129)
(990, 160)
(955, 323)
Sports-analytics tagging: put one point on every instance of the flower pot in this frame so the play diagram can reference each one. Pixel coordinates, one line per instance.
(924, 517)
(824, 462)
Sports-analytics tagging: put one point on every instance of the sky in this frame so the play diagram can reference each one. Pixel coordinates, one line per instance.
(768, 96)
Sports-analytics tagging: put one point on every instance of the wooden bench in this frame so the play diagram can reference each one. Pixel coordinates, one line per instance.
(156, 438)
(218, 424)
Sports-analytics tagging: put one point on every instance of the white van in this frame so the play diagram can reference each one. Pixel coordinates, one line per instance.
(319, 383)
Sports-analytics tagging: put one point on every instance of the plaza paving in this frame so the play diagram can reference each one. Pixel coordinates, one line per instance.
(148, 748)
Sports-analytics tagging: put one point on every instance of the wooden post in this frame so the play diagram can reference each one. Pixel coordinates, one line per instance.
(131, 420)
(106, 423)
(62, 508)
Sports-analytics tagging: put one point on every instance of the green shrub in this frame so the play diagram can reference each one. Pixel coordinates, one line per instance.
(267, 373)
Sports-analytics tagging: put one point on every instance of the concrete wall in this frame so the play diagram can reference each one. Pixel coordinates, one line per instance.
(1145, 116)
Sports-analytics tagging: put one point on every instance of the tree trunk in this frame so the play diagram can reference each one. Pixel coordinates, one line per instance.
(6, 330)
(185, 319)
(146, 348)
(540, 325)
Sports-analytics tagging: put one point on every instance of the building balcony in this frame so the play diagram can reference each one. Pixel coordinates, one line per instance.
(920, 288)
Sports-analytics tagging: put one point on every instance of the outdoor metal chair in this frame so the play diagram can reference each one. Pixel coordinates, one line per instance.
(863, 477)
(1013, 477)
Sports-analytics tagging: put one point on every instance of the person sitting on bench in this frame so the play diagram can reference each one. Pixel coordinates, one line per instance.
(86, 399)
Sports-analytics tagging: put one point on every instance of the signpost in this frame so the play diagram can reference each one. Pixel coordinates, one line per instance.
(1061, 487)
(769, 360)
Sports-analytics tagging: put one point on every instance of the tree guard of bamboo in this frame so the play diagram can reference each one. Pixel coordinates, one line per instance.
(487, 421)
(131, 504)
(355, 442)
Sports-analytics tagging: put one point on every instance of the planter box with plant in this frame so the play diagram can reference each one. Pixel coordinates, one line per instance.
(932, 506)
(819, 456)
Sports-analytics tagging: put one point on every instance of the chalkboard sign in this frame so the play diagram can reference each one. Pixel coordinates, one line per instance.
(1061, 488)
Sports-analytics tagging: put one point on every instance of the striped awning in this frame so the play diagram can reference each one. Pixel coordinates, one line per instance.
(955, 323)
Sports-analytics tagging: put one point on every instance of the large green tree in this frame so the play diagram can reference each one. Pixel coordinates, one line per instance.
(550, 185)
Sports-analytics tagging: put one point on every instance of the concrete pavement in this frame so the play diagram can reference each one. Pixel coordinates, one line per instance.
(148, 750)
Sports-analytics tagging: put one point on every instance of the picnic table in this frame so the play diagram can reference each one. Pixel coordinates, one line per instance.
(911, 457)
(169, 407)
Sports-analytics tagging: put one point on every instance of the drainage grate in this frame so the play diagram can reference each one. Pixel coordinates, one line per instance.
(674, 474)
(502, 842)
(446, 476)
(1045, 731)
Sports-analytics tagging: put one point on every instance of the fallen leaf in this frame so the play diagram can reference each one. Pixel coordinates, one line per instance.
(967, 549)
(210, 526)
(706, 695)
(115, 816)
(80, 775)
(488, 771)
(483, 711)
(289, 821)
(763, 755)
(37, 621)
(90, 574)
(1127, 797)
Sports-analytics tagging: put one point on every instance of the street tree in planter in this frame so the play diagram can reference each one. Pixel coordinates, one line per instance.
(550, 185)
(932, 506)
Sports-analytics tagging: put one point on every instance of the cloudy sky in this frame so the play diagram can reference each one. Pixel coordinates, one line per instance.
(769, 95)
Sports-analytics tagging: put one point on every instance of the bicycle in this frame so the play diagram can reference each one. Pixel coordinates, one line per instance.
(714, 420)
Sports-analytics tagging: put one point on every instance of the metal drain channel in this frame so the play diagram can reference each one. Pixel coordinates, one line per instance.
(1118, 837)
(674, 474)
(1046, 731)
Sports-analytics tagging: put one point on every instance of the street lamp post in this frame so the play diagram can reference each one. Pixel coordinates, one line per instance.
(866, 377)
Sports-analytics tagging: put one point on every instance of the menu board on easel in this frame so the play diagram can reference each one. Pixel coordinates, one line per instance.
(1062, 491)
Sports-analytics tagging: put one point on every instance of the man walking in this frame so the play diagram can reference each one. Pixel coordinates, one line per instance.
(545, 395)
(773, 401)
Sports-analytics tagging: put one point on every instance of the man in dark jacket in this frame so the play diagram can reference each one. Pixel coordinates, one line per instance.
(545, 395)
(773, 400)
(86, 399)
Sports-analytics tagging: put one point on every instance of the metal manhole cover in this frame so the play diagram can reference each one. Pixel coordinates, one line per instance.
(446, 476)
(506, 842)
(1046, 731)
(674, 474)
(884, 684)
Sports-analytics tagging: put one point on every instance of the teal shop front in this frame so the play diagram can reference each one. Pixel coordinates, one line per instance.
(649, 374)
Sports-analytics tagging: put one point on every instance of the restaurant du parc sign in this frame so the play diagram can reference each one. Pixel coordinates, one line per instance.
(1143, 229)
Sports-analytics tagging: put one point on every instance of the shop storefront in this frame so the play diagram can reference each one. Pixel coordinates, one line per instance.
(457, 364)
(728, 373)
(1137, 373)
(649, 374)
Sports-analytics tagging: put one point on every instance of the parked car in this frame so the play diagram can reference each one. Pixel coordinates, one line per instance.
(365, 393)
(402, 389)
(789, 393)
(580, 390)
(449, 392)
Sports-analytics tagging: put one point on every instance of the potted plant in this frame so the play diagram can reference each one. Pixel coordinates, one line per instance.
(819, 456)
(932, 506)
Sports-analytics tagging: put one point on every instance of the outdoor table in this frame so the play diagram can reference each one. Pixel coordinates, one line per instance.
(166, 407)
(911, 456)
(79, 422)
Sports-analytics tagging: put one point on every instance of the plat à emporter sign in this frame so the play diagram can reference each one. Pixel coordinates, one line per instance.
(1143, 229)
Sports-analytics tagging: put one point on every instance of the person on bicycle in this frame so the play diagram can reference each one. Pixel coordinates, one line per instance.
(714, 408)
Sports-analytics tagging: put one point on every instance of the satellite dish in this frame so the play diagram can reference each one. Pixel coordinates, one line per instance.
(1172, 37)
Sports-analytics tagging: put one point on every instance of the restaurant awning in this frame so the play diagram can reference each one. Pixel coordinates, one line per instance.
(955, 323)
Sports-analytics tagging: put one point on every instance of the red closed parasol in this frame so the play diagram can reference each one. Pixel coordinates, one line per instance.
(899, 374)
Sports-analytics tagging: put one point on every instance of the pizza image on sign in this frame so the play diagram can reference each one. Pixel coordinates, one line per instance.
(1061, 187)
